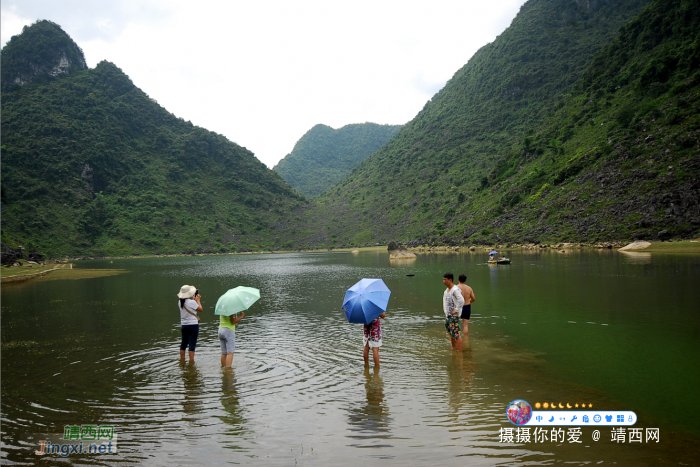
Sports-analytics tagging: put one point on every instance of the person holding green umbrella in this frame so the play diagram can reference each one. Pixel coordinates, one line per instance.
(230, 303)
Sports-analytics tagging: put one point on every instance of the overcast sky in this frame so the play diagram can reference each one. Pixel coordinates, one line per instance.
(263, 73)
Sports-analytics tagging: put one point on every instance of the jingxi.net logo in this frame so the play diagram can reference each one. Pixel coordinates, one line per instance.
(83, 439)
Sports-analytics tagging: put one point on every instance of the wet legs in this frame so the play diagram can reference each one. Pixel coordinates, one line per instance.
(227, 359)
(375, 355)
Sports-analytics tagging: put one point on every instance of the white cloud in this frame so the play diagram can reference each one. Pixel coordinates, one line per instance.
(263, 73)
(86, 19)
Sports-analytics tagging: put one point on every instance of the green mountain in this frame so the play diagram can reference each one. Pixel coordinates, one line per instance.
(581, 122)
(459, 172)
(619, 157)
(42, 53)
(92, 166)
(324, 156)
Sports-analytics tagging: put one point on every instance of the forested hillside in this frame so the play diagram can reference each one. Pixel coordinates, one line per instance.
(580, 123)
(324, 156)
(620, 157)
(92, 166)
(435, 181)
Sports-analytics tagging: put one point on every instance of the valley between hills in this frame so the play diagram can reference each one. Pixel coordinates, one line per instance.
(579, 124)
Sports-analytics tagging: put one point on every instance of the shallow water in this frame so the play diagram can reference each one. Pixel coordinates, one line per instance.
(617, 331)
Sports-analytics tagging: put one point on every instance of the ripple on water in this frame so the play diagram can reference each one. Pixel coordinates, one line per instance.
(298, 381)
(320, 385)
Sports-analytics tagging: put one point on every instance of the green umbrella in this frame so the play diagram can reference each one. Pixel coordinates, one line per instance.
(235, 300)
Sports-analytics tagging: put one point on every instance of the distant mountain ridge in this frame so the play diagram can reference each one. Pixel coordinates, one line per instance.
(580, 123)
(324, 156)
(91, 166)
(431, 182)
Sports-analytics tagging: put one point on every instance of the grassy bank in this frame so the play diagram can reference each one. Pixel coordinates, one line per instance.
(79, 274)
(26, 273)
(684, 247)
(259, 252)
(30, 269)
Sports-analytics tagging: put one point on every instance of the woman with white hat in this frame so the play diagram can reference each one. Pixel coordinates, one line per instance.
(190, 304)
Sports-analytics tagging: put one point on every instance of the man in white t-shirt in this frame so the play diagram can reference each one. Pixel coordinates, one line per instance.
(452, 302)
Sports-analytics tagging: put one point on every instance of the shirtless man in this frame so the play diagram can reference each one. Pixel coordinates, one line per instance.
(469, 298)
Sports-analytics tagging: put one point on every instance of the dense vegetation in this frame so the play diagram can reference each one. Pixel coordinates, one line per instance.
(93, 166)
(580, 123)
(489, 160)
(43, 52)
(619, 158)
(324, 156)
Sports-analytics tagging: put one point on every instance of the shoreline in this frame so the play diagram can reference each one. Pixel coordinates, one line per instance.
(183, 255)
(19, 277)
(675, 247)
(59, 271)
(681, 247)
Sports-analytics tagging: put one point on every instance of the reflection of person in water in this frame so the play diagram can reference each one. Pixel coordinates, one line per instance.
(460, 375)
(230, 401)
(194, 384)
(371, 420)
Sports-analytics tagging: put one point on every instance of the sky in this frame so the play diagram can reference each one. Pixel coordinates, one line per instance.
(262, 73)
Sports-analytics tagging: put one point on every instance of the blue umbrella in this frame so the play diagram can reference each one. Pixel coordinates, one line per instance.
(366, 300)
(493, 253)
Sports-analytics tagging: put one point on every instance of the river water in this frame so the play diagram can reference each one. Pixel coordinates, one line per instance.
(618, 331)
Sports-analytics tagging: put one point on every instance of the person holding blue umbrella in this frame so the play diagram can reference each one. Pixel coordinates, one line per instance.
(230, 303)
(372, 338)
(366, 302)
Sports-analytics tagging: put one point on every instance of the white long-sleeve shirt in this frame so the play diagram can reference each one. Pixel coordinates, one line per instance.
(452, 300)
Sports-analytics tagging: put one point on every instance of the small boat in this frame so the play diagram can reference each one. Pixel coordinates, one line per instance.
(499, 261)
(410, 275)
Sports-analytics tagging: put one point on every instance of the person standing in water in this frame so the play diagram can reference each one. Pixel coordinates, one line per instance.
(452, 302)
(227, 337)
(372, 338)
(190, 304)
(469, 298)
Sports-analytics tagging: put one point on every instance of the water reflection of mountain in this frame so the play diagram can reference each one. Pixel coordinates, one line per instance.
(370, 421)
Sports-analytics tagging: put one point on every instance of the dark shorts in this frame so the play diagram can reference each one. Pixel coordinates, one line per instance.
(466, 311)
(189, 336)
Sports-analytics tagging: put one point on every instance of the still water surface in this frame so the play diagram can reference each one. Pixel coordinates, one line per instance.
(618, 331)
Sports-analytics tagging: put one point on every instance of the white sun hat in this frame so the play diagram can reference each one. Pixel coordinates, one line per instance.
(187, 291)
